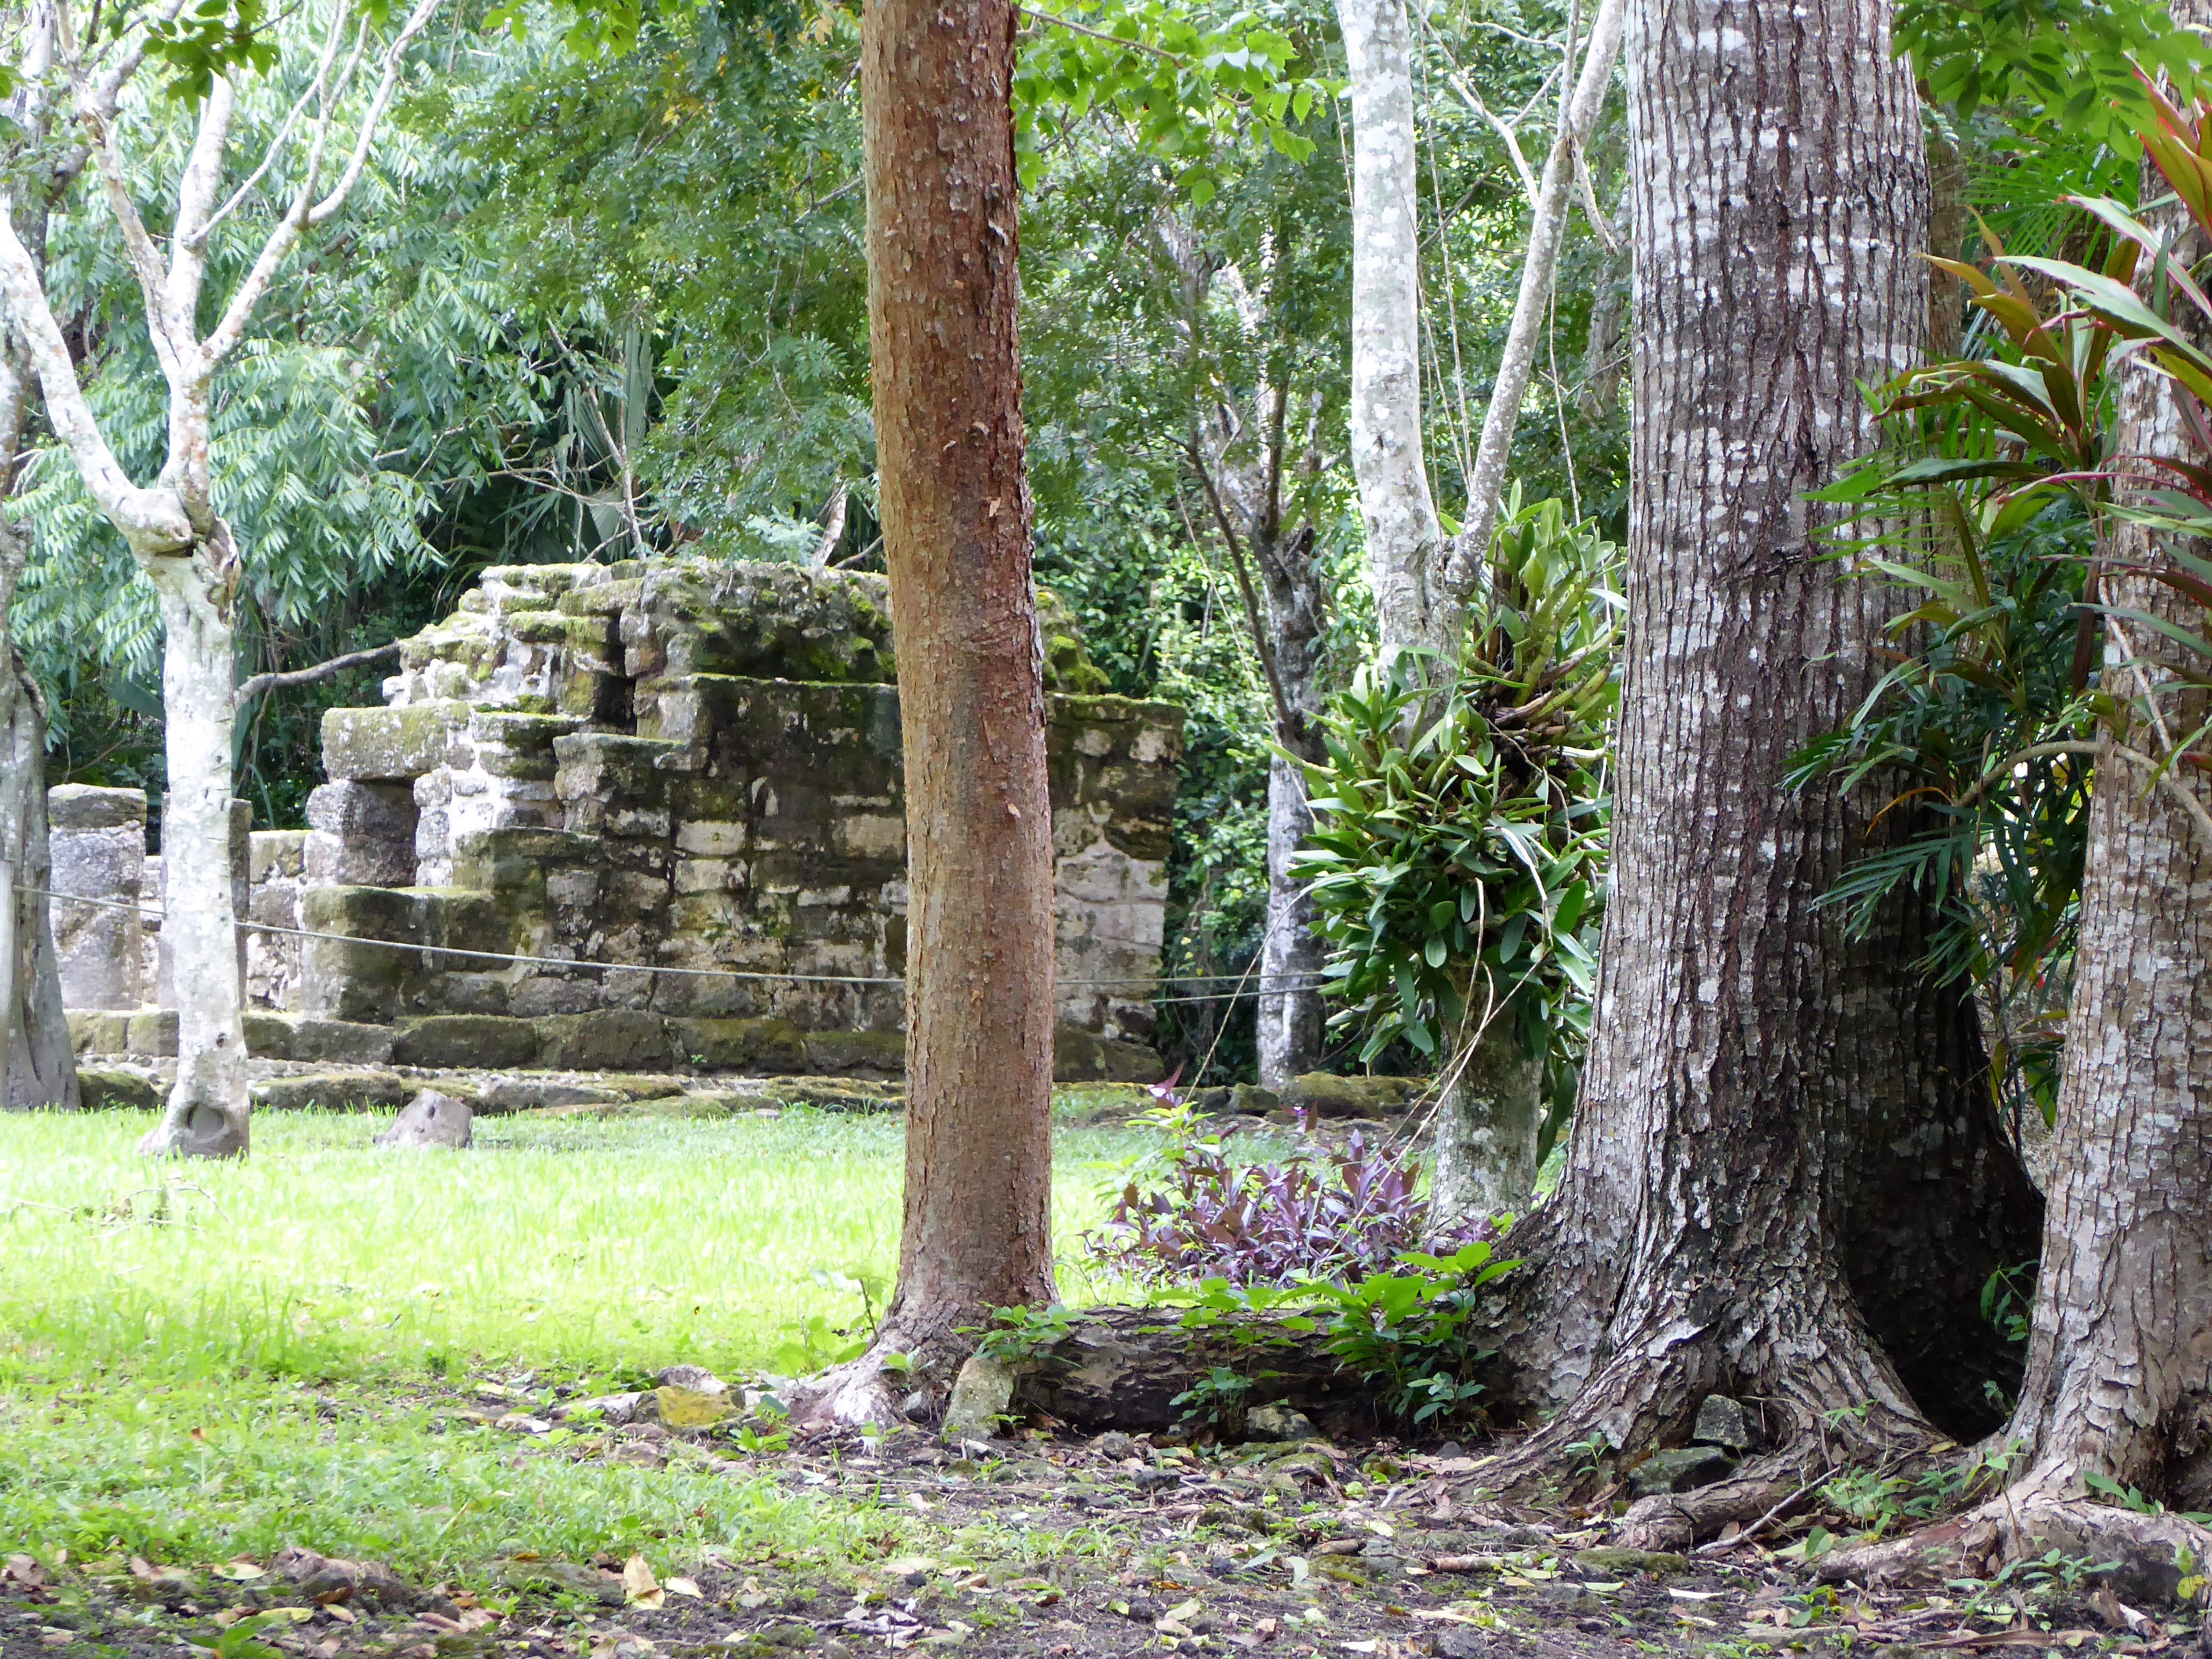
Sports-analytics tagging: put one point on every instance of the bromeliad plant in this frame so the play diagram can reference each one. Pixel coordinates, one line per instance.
(1458, 859)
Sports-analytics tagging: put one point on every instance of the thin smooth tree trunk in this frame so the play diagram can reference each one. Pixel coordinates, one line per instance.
(936, 84)
(1744, 1057)
(207, 1112)
(1405, 537)
(1531, 305)
(38, 1067)
(1289, 1035)
(1490, 1115)
(1240, 455)
(1487, 1122)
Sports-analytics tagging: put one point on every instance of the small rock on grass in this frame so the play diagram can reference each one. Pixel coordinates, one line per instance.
(1279, 1423)
(1682, 1469)
(1723, 1422)
(981, 1395)
(431, 1119)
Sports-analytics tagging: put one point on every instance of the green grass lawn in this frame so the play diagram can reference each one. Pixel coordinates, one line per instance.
(201, 1359)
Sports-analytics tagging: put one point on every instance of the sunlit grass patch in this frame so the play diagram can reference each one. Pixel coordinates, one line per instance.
(207, 1359)
(567, 1243)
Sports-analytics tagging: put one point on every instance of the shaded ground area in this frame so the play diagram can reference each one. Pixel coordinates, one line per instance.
(1055, 1548)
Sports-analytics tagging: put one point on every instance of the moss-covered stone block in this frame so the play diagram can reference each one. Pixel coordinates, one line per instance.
(152, 1034)
(1323, 1094)
(873, 1053)
(98, 1030)
(391, 745)
(118, 1089)
(608, 1040)
(338, 1092)
(739, 1045)
(1081, 1056)
(468, 1041)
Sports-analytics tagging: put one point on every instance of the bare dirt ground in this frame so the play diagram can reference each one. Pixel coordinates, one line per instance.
(1039, 1548)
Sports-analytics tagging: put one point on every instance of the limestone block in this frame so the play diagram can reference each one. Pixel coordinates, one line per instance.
(152, 1034)
(357, 1090)
(318, 1041)
(873, 1053)
(276, 855)
(712, 840)
(474, 993)
(1326, 1094)
(99, 1031)
(537, 994)
(388, 745)
(611, 1040)
(1081, 1056)
(119, 1089)
(739, 1045)
(98, 852)
(466, 1040)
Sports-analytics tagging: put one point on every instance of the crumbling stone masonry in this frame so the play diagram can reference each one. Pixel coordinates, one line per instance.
(681, 764)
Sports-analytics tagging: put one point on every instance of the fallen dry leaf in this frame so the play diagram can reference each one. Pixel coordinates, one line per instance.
(684, 1587)
(640, 1588)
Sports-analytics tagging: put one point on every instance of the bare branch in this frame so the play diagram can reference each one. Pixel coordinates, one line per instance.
(138, 244)
(285, 236)
(1468, 96)
(833, 531)
(314, 88)
(1577, 115)
(417, 20)
(322, 671)
(1289, 722)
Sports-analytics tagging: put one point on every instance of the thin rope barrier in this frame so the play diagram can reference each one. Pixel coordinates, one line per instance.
(697, 973)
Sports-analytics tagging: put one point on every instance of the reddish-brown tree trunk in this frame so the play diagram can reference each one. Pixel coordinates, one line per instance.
(936, 84)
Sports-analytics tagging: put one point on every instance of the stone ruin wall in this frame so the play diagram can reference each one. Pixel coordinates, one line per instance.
(678, 764)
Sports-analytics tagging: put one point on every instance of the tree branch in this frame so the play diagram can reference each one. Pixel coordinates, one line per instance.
(1290, 724)
(152, 521)
(1576, 118)
(315, 88)
(288, 231)
(322, 671)
(138, 244)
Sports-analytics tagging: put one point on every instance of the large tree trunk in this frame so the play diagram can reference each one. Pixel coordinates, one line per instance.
(1744, 1058)
(206, 1111)
(936, 81)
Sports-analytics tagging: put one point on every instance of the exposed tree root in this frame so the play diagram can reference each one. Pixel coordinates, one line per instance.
(2145, 1558)
(1763, 1490)
(902, 1378)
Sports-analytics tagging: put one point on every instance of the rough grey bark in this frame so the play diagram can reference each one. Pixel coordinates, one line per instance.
(2119, 1379)
(936, 85)
(38, 1067)
(1745, 1060)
